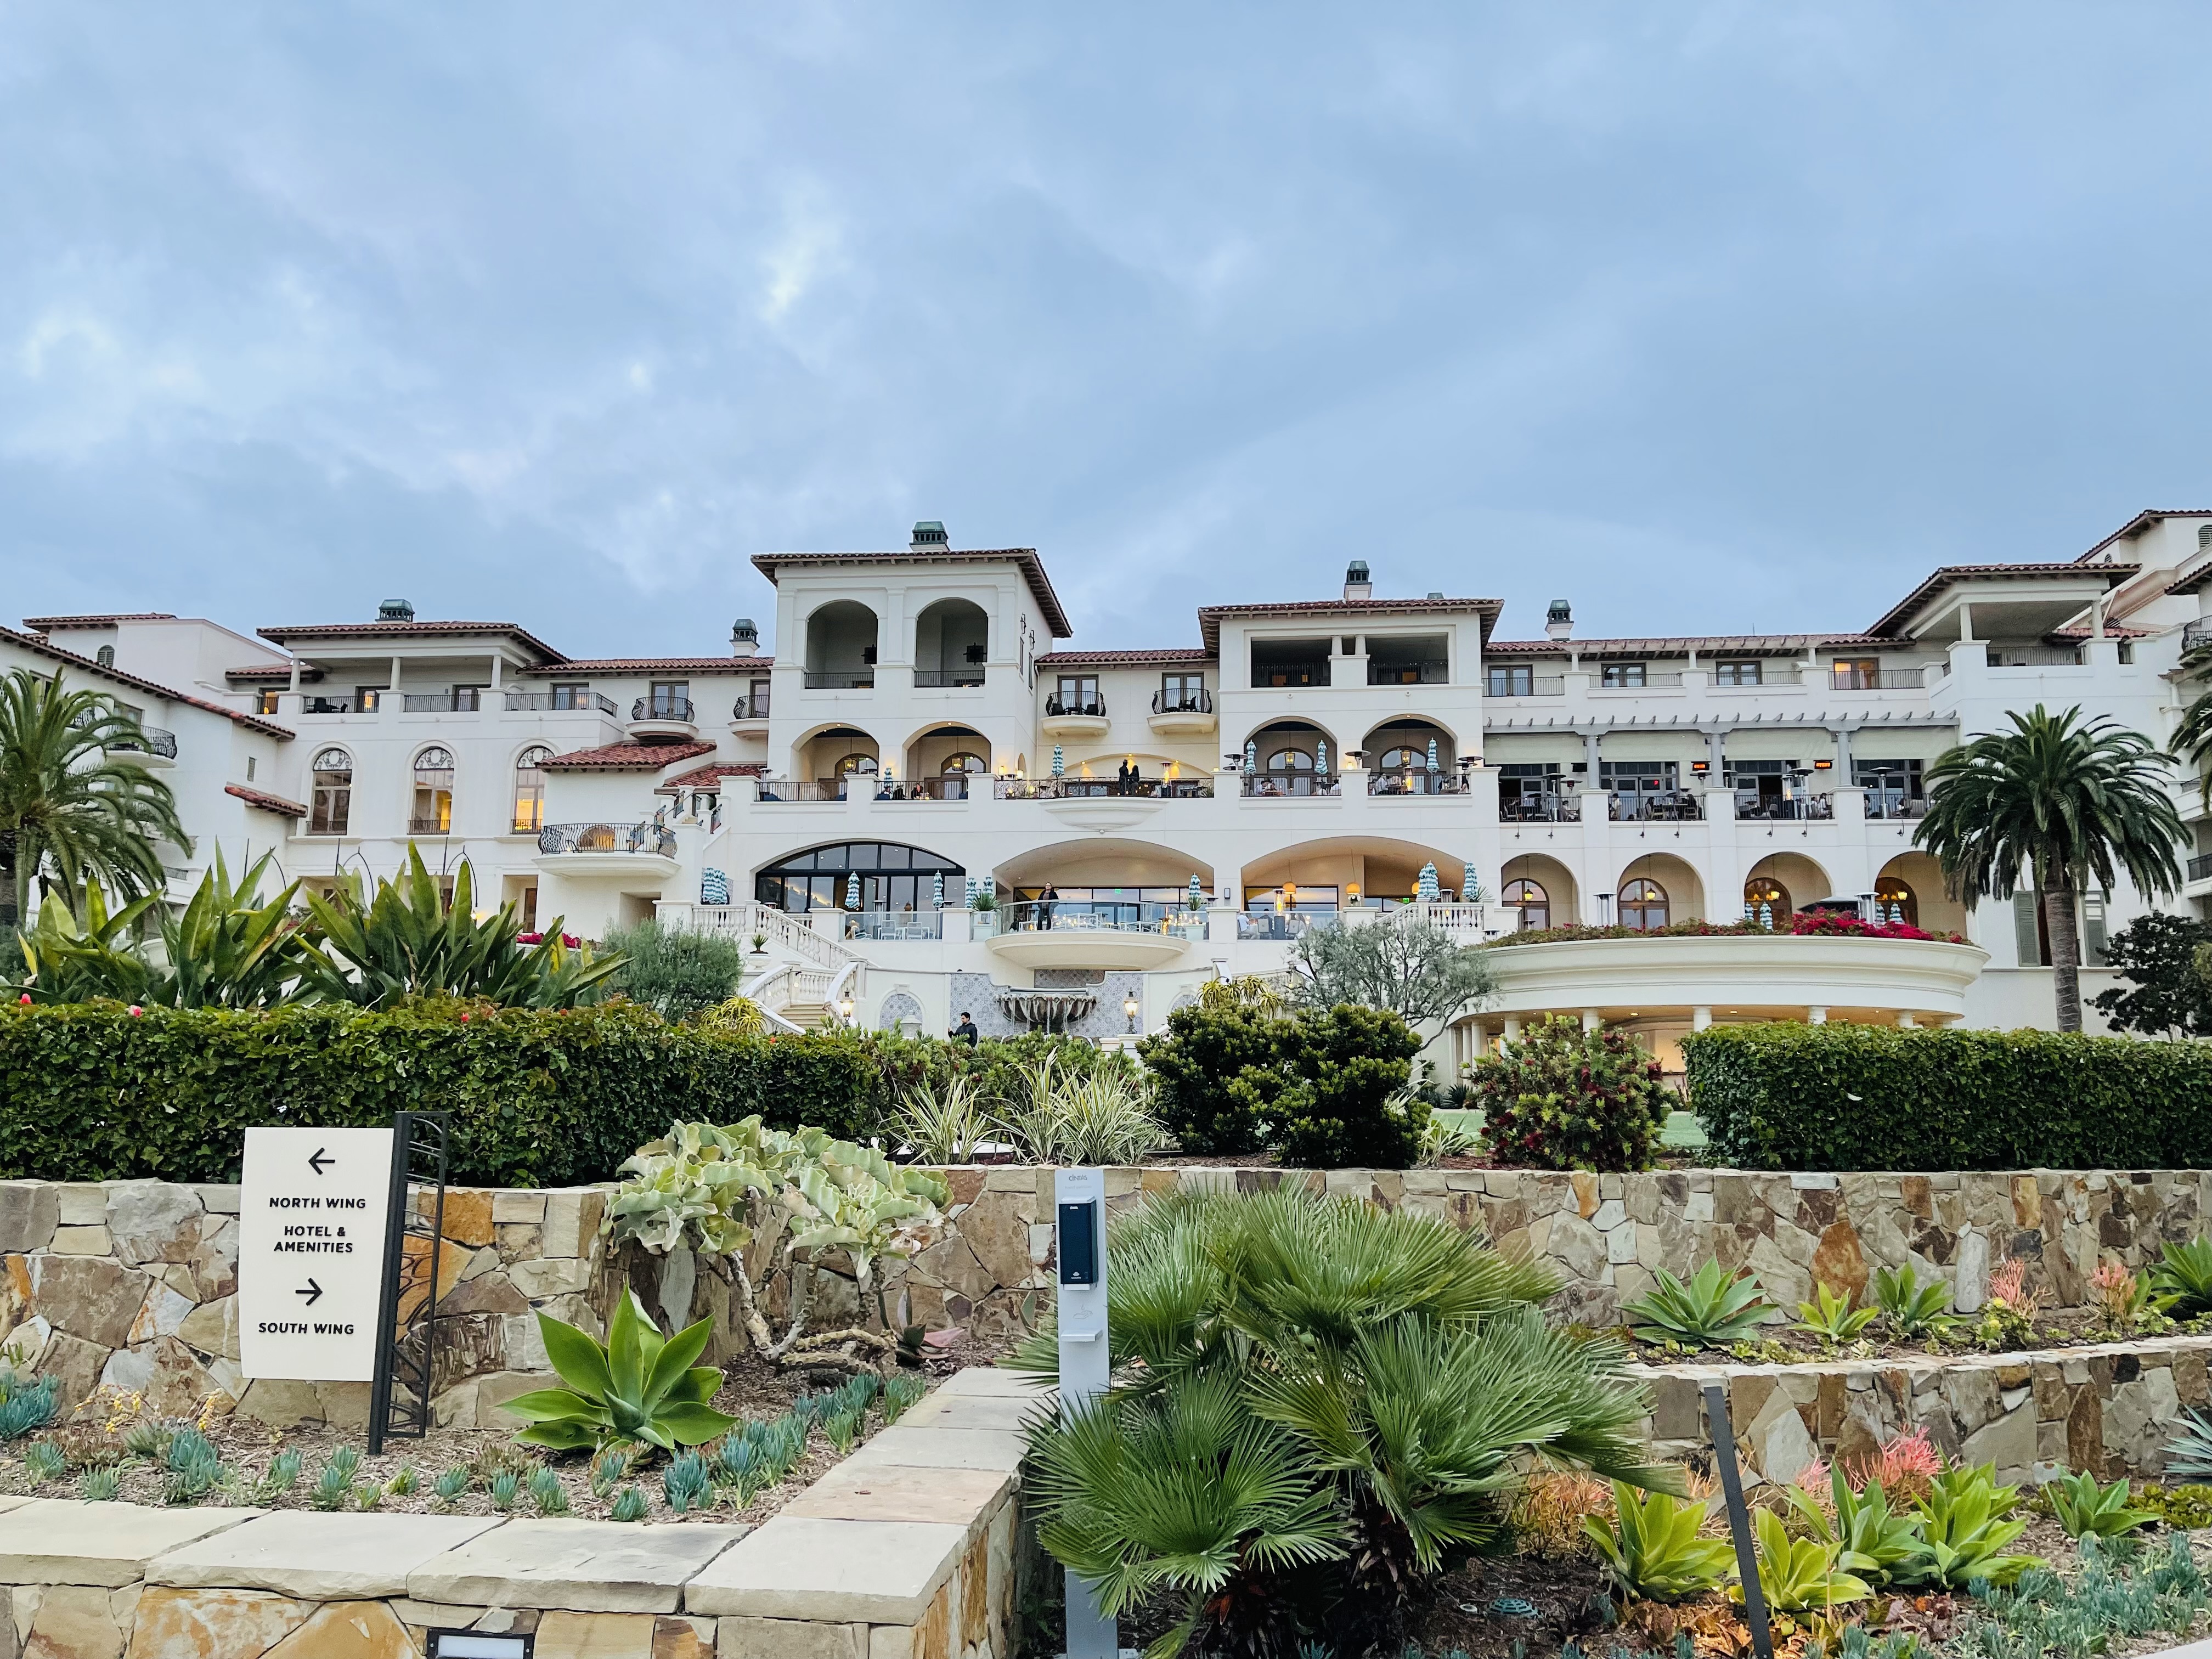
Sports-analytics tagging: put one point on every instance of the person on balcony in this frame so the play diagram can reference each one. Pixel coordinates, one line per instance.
(1045, 900)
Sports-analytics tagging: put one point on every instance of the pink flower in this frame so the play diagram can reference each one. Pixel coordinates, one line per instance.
(464, 1019)
(24, 998)
(136, 1012)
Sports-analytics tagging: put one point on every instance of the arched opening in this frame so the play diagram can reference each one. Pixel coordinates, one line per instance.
(841, 645)
(828, 760)
(1104, 878)
(1412, 758)
(331, 805)
(942, 763)
(951, 642)
(881, 875)
(1683, 895)
(1317, 878)
(433, 811)
(1531, 904)
(1291, 757)
(1915, 882)
(530, 789)
(1895, 901)
(1765, 901)
(1782, 882)
(1642, 904)
(1563, 906)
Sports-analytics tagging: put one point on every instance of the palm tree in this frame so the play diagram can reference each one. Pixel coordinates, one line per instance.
(65, 804)
(2055, 803)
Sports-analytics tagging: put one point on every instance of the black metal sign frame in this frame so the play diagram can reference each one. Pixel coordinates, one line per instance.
(409, 1356)
(1746, 1551)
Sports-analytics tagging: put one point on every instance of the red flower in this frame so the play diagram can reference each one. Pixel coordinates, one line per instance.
(24, 998)
(136, 1012)
(465, 1016)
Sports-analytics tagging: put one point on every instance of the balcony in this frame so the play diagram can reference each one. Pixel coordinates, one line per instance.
(313, 705)
(1197, 787)
(950, 785)
(2195, 635)
(463, 700)
(2200, 867)
(941, 680)
(607, 849)
(1431, 671)
(1667, 806)
(432, 824)
(1276, 677)
(1284, 786)
(1749, 809)
(1074, 717)
(1182, 714)
(1417, 783)
(1841, 679)
(843, 679)
(749, 710)
(663, 717)
(1648, 680)
(1093, 934)
(896, 926)
(1894, 804)
(1282, 926)
(1527, 685)
(542, 703)
(1540, 809)
(803, 789)
(151, 748)
(2033, 656)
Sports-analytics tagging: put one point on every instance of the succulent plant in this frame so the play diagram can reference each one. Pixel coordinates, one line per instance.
(403, 1484)
(43, 1462)
(100, 1485)
(685, 1483)
(630, 1505)
(26, 1403)
(452, 1481)
(547, 1493)
(901, 1393)
(641, 1387)
(1714, 1308)
(505, 1486)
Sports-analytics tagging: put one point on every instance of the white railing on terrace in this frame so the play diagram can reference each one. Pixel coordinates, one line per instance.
(1092, 916)
(783, 927)
(902, 925)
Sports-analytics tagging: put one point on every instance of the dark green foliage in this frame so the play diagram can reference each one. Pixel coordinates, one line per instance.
(2165, 995)
(676, 974)
(1217, 1077)
(1565, 1098)
(540, 1096)
(1837, 1096)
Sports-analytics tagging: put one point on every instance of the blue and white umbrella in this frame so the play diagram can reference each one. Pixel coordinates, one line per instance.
(1432, 754)
(1470, 887)
(851, 890)
(1252, 756)
(1059, 762)
(1321, 755)
(974, 887)
(937, 891)
(1430, 892)
(1197, 893)
(713, 886)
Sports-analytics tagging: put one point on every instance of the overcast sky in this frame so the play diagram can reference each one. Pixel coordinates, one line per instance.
(1708, 317)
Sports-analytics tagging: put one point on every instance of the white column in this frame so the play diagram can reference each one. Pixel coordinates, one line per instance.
(1816, 1016)
(498, 663)
(395, 673)
(1591, 1019)
(1512, 1028)
(1700, 1018)
(1906, 1021)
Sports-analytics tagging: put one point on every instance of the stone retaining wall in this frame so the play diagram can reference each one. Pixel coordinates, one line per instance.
(904, 1551)
(2109, 1409)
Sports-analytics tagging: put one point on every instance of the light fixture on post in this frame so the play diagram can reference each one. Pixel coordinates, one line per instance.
(1130, 1007)
(845, 1008)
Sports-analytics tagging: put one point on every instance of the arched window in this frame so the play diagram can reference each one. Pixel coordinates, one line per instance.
(973, 765)
(1290, 759)
(105, 656)
(848, 765)
(331, 803)
(1529, 899)
(1643, 904)
(432, 814)
(530, 790)
(891, 877)
(1766, 900)
(1895, 901)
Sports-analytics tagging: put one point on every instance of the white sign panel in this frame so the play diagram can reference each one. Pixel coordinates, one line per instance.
(310, 1225)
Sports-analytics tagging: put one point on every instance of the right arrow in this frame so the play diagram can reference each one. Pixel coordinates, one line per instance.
(319, 1159)
(312, 1291)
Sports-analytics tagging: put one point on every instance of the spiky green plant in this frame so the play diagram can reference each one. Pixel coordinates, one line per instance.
(686, 1482)
(404, 1484)
(27, 1402)
(1965, 1514)
(452, 1481)
(1653, 1551)
(901, 1393)
(506, 1486)
(1879, 1545)
(2181, 1284)
(639, 1387)
(1713, 1309)
(1801, 1574)
(547, 1493)
(1910, 1308)
(2083, 1507)
(43, 1462)
(1832, 1318)
(630, 1504)
(101, 1486)
(1318, 1405)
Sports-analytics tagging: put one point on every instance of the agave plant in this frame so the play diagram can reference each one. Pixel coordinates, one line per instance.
(1879, 1545)
(1831, 1318)
(2189, 1454)
(1801, 1574)
(1318, 1406)
(941, 1125)
(1910, 1308)
(640, 1387)
(1102, 1118)
(2181, 1284)
(1653, 1551)
(1714, 1309)
(2086, 1509)
(1964, 1516)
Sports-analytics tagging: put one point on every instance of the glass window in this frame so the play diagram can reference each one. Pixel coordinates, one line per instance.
(265, 703)
(1736, 674)
(890, 878)
(1181, 693)
(1855, 674)
(469, 698)
(1527, 897)
(671, 700)
(572, 696)
(432, 812)
(1513, 680)
(1643, 904)
(1894, 900)
(1077, 695)
(331, 803)
(105, 656)
(1766, 900)
(530, 790)
(365, 698)
(1623, 673)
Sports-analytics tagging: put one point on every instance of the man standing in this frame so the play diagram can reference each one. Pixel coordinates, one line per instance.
(965, 1031)
(1045, 900)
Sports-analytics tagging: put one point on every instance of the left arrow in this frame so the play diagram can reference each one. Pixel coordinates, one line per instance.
(312, 1291)
(319, 1159)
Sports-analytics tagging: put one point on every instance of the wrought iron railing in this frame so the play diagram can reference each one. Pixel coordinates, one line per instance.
(582, 702)
(2195, 635)
(1428, 671)
(1438, 782)
(1290, 676)
(1092, 708)
(1673, 806)
(752, 707)
(2200, 867)
(1797, 807)
(1199, 786)
(952, 786)
(2033, 656)
(662, 708)
(1099, 916)
(1274, 785)
(802, 789)
(432, 825)
(1200, 701)
(647, 837)
(843, 679)
(1536, 685)
(937, 679)
(1879, 679)
(149, 740)
(312, 705)
(1540, 809)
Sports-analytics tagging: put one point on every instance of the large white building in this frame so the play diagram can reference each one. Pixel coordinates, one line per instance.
(919, 729)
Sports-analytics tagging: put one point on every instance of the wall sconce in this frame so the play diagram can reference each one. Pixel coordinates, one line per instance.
(1701, 767)
(1824, 766)
(1130, 1007)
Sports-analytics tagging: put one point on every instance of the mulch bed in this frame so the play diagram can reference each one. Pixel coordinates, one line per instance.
(1780, 1343)
(751, 1389)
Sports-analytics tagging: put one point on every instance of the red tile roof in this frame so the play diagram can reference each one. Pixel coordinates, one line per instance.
(1950, 574)
(2142, 521)
(38, 644)
(705, 777)
(266, 802)
(1031, 567)
(47, 624)
(1745, 645)
(647, 664)
(273, 671)
(1210, 615)
(398, 631)
(1123, 659)
(625, 757)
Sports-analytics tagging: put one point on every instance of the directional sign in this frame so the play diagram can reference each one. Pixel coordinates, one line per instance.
(311, 1232)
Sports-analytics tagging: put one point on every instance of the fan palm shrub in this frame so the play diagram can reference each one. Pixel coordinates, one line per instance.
(71, 810)
(2057, 805)
(1317, 1408)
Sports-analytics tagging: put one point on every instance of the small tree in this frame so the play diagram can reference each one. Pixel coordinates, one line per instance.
(678, 975)
(2157, 954)
(1411, 967)
(1565, 1098)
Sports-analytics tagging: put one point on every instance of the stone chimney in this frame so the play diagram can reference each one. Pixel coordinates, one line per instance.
(1559, 620)
(1356, 584)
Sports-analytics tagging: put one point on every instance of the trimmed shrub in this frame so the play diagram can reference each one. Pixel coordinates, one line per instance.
(678, 975)
(1565, 1098)
(1218, 1081)
(540, 1098)
(1838, 1097)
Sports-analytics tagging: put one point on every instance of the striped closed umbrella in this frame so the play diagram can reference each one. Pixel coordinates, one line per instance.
(1430, 892)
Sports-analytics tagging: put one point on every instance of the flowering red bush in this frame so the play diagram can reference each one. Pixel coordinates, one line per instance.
(1565, 1098)
(570, 941)
(1831, 924)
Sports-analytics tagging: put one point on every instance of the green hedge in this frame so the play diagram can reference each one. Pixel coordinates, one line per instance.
(1838, 1097)
(540, 1098)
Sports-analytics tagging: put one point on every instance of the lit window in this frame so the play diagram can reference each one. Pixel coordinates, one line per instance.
(331, 803)
(1765, 899)
(1529, 899)
(432, 813)
(530, 790)
(1643, 905)
(1736, 674)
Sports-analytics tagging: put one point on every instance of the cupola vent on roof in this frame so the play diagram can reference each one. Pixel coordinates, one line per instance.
(744, 638)
(1559, 620)
(929, 536)
(1356, 586)
(395, 610)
